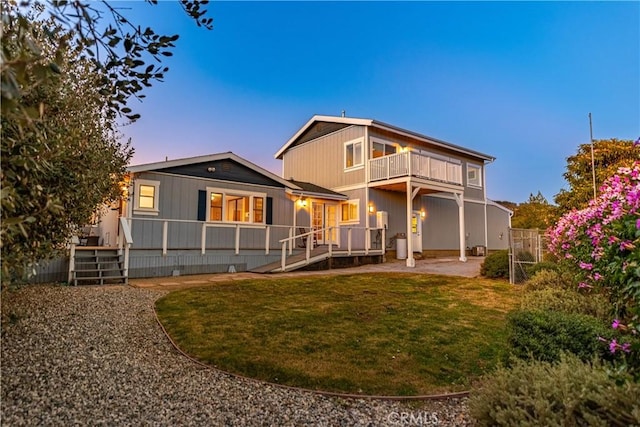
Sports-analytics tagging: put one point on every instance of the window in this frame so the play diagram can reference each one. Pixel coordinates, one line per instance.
(350, 211)
(146, 197)
(215, 207)
(353, 154)
(474, 175)
(380, 149)
(235, 206)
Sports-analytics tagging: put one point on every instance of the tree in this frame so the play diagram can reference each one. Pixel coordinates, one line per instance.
(536, 212)
(609, 155)
(61, 151)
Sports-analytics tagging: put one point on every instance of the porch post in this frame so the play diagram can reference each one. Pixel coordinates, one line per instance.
(411, 262)
(463, 246)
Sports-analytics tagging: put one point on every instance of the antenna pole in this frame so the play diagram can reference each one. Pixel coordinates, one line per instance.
(593, 162)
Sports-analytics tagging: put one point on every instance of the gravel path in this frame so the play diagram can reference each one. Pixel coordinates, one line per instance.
(95, 356)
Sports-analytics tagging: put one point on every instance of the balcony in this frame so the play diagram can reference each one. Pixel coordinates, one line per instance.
(414, 164)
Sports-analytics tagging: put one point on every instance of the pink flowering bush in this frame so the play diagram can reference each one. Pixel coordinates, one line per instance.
(602, 244)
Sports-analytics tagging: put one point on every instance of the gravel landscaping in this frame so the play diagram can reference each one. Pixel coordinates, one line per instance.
(96, 356)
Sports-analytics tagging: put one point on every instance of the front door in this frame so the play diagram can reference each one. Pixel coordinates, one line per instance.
(416, 231)
(331, 220)
(317, 221)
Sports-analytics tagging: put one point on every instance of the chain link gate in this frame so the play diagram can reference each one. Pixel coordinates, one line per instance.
(526, 248)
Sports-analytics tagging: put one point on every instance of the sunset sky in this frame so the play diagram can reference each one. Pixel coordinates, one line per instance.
(513, 80)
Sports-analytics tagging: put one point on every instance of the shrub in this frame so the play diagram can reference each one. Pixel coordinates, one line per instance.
(543, 266)
(550, 279)
(568, 393)
(568, 301)
(545, 335)
(496, 265)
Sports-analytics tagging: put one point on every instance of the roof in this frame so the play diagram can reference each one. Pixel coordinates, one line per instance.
(210, 158)
(383, 126)
(312, 190)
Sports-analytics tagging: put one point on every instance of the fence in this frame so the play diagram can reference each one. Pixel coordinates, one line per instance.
(526, 248)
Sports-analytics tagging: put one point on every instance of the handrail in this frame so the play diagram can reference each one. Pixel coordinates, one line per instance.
(126, 230)
(309, 234)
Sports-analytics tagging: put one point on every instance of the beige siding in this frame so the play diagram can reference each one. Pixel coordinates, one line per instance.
(498, 228)
(321, 161)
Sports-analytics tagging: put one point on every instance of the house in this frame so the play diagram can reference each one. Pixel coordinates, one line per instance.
(350, 188)
(431, 192)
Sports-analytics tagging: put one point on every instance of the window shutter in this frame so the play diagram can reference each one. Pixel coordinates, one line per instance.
(269, 219)
(202, 205)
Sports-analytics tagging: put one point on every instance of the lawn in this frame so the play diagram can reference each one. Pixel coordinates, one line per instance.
(391, 334)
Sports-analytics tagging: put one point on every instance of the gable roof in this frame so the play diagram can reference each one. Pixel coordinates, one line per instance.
(384, 126)
(312, 190)
(157, 166)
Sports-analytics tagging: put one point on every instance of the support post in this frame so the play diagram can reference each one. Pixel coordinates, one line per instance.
(237, 239)
(411, 262)
(165, 229)
(463, 235)
(267, 239)
(203, 238)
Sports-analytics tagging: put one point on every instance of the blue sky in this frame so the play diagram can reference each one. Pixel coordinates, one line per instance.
(513, 80)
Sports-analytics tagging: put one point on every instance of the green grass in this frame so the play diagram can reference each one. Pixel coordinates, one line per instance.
(395, 334)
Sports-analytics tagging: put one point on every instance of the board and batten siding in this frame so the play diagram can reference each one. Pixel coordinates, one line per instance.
(178, 200)
(321, 161)
(440, 229)
(497, 228)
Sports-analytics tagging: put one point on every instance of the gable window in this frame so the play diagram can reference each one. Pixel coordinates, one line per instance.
(350, 211)
(235, 206)
(380, 149)
(146, 197)
(474, 175)
(353, 154)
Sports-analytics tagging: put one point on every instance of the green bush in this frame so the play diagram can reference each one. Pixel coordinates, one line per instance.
(568, 301)
(545, 335)
(568, 393)
(544, 265)
(550, 279)
(496, 265)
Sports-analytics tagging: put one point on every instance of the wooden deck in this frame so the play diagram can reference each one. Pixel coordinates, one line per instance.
(318, 254)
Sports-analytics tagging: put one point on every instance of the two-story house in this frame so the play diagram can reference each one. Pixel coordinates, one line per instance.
(431, 192)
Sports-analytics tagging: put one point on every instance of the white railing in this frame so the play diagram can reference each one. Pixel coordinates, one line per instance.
(203, 229)
(365, 245)
(414, 164)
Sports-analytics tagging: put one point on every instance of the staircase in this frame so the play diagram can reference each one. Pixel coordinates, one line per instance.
(96, 265)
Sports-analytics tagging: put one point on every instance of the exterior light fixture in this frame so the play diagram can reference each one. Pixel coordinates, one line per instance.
(302, 202)
(211, 169)
(423, 214)
(372, 209)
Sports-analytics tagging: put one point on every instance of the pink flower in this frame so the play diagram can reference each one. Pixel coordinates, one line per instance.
(615, 324)
(585, 265)
(597, 276)
(613, 346)
(627, 245)
(583, 285)
(626, 347)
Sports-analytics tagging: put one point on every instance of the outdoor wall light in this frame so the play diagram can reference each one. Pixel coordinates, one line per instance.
(211, 169)
(423, 214)
(302, 202)
(501, 235)
(372, 209)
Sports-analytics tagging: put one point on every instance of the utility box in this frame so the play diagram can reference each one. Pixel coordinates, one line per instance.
(382, 219)
(401, 246)
(479, 251)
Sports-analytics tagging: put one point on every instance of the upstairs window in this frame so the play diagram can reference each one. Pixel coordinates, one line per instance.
(146, 197)
(474, 175)
(353, 154)
(380, 149)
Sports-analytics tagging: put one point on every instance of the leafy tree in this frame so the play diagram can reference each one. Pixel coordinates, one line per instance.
(609, 155)
(64, 86)
(536, 212)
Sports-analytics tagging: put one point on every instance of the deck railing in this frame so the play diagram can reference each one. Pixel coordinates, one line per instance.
(408, 163)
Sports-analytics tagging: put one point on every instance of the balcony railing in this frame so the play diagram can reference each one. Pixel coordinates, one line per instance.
(414, 164)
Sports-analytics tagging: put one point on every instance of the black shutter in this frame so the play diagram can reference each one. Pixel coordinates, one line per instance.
(202, 205)
(269, 210)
